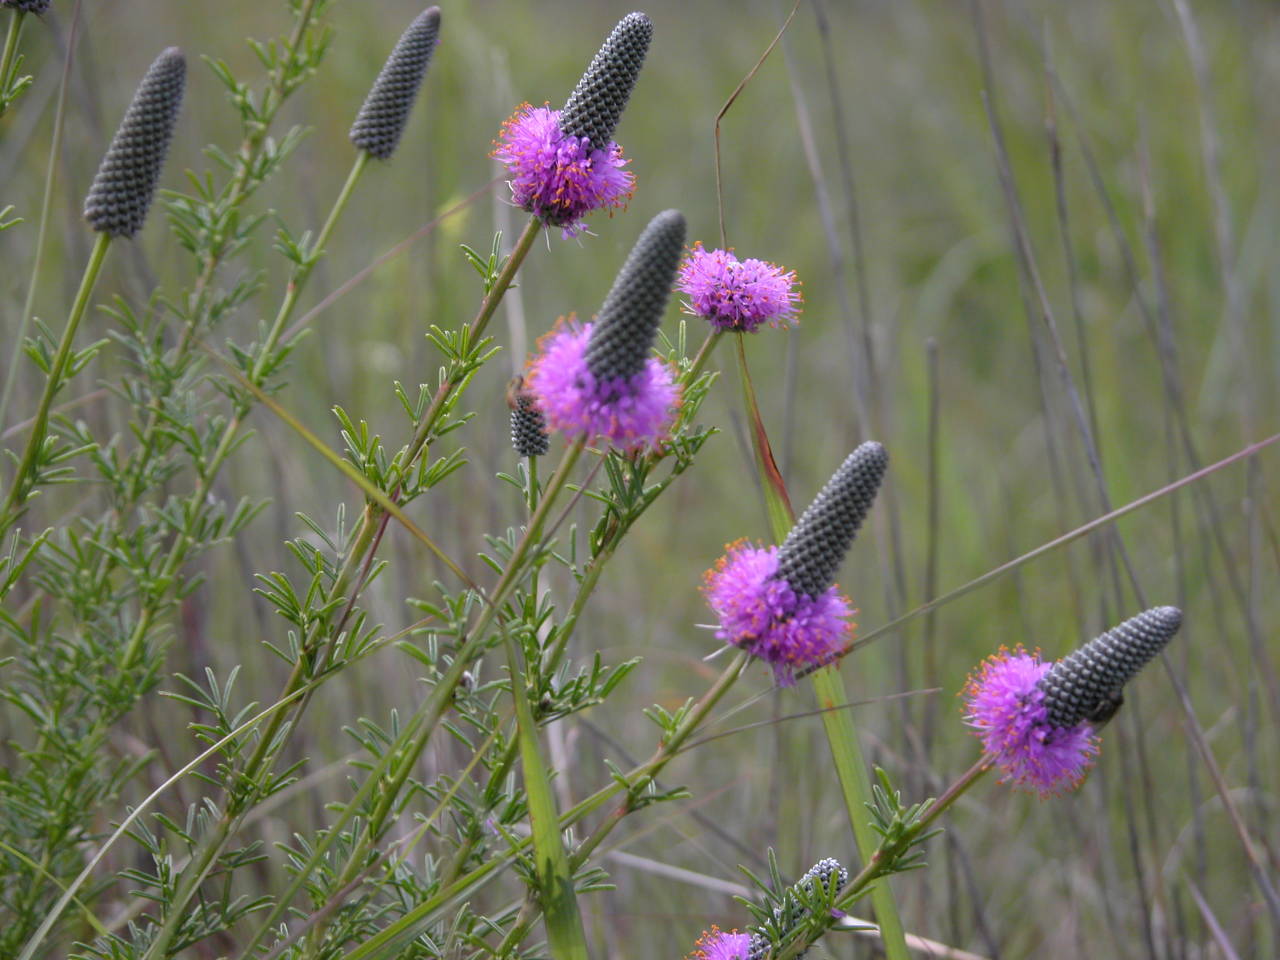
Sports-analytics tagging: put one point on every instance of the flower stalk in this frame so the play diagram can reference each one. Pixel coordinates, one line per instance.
(828, 687)
(23, 480)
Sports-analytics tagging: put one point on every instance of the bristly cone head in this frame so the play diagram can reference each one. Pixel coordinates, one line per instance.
(1085, 686)
(596, 104)
(27, 6)
(528, 425)
(822, 871)
(817, 544)
(632, 312)
(385, 112)
(121, 193)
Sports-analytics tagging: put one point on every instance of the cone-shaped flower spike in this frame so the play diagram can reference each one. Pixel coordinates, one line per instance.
(382, 118)
(599, 379)
(1038, 720)
(27, 6)
(528, 425)
(817, 544)
(780, 603)
(595, 107)
(122, 191)
(1086, 685)
(563, 163)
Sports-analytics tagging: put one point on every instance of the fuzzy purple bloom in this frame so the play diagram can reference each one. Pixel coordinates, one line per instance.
(738, 294)
(1005, 706)
(715, 944)
(630, 412)
(763, 615)
(556, 176)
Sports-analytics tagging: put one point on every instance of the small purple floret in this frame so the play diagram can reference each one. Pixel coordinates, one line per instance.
(738, 294)
(1006, 709)
(631, 412)
(559, 177)
(764, 616)
(715, 944)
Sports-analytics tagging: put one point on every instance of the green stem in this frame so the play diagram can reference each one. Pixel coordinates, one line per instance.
(828, 686)
(777, 503)
(531, 499)
(211, 846)
(241, 187)
(18, 492)
(882, 859)
(9, 56)
(474, 332)
(704, 354)
(303, 270)
(635, 778)
(505, 277)
(666, 752)
(565, 934)
(227, 442)
(855, 785)
(419, 728)
(954, 792)
(436, 704)
(369, 534)
(46, 203)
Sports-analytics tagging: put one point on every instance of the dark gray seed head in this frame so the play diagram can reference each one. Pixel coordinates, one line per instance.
(596, 104)
(822, 871)
(381, 119)
(528, 425)
(121, 193)
(632, 312)
(817, 544)
(1086, 685)
(27, 6)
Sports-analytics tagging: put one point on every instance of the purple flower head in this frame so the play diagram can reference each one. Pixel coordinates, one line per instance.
(762, 614)
(1005, 706)
(599, 379)
(738, 294)
(781, 603)
(715, 944)
(630, 412)
(556, 176)
(564, 163)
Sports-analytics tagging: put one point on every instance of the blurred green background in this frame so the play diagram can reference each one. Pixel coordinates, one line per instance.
(861, 155)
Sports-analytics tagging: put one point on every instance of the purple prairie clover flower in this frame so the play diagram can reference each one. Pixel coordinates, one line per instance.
(781, 603)
(559, 177)
(598, 379)
(564, 163)
(630, 412)
(715, 944)
(760, 612)
(1038, 720)
(738, 294)
(1005, 706)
